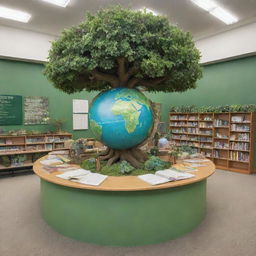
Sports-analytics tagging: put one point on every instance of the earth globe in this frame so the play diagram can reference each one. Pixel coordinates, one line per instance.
(121, 118)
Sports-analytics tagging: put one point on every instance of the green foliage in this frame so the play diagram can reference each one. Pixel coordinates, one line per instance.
(5, 161)
(150, 45)
(179, 150)
(89, 164)
(155, 164)
(213, 109)
(154, 151)
(125, 167)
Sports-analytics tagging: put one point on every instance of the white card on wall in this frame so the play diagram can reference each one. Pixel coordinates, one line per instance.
(80, 106)
(80, 121)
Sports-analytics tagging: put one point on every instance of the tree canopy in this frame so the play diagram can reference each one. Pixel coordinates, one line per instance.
(119, 47)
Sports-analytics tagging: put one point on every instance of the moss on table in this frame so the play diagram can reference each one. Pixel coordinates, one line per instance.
(114, 169)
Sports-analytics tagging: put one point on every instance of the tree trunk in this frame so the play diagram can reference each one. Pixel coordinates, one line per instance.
(135, 156)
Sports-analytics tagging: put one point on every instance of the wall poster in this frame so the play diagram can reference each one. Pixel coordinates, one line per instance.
(36, 110)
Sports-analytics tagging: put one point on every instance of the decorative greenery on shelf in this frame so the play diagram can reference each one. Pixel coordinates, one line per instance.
(57, 124)
(213, 109)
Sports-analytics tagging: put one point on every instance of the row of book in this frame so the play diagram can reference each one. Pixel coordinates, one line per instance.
(240, 119)
(179, 117)
(221, 144)
(239, 145)
(240, 136)
(12, 148)
(239, 156)
(220, 122)
(240, 127)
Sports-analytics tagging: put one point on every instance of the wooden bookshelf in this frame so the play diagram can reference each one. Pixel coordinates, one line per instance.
(27, 146)
(226, 138)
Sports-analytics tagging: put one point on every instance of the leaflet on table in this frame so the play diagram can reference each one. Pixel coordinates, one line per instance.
(51, 162)
(184, 168)
(75, 174)
(164, 176)
(174, 175)
(83, 176)
(153, 179)
(196, 160)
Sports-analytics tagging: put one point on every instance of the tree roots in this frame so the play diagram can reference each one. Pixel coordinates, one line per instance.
(134, 156)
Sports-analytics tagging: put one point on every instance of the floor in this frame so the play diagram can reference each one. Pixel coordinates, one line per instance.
(229, 228)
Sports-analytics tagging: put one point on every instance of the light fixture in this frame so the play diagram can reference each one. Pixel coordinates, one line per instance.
(61, 3)
(13, 14)
(224, 15)
(205, 4)
(217, 11)
(147, 10)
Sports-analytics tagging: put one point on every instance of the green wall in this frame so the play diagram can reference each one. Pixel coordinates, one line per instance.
(230, 82)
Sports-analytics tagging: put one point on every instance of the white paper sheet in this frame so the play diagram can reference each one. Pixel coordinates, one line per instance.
(174, 175)
(76, 174)
(153, 179)
(80, 121)
(80, 106)
(196, 160)
(93, 179)
(51, 162)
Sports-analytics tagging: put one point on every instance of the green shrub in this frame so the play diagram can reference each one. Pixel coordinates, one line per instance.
(155, 164)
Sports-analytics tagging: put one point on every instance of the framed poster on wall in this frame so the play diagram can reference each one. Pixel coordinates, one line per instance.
(36, 110)
(10, 110)
(80, 114)
(80, 121)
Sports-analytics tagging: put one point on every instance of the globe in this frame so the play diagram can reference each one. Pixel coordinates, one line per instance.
(121, 118)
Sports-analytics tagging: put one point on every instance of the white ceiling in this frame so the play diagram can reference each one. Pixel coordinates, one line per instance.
(50, 19)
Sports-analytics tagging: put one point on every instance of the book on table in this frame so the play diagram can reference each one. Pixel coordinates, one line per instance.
(83, 176)
(164, 176)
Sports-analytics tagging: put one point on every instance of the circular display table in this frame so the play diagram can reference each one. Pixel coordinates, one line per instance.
(123, 211)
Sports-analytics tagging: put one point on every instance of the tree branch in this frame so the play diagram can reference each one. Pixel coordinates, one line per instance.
(113, 80)
(121, 70)
(152, 82)
(133, 82)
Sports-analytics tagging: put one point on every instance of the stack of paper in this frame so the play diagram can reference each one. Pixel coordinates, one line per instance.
(174, 175)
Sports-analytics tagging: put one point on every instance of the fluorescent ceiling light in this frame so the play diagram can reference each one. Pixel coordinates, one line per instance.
(224, 15)
(13, 14)
(147, 10)
(205, 4)
(217, 11)
(61, 3)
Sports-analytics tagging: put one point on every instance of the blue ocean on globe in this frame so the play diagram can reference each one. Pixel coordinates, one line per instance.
(121, 118)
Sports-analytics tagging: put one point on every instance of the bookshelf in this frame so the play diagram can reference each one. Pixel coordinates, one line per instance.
(22, 150)
(225, 138)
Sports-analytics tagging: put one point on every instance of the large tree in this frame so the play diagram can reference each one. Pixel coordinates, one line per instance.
(120, 47)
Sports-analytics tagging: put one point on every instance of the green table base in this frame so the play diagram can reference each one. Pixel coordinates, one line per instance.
(123, 218)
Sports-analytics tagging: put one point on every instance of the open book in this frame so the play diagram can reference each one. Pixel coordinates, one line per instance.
(164, 176)
(83, 176)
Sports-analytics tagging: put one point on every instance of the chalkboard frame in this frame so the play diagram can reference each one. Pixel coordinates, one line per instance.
(13, 113)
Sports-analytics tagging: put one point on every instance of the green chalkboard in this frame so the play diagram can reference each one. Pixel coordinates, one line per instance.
(10, 110)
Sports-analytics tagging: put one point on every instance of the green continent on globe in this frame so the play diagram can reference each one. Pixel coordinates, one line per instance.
(130, 110)
(135, 96)
(96, 128)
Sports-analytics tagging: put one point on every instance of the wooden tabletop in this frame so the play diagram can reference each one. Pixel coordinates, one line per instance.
(124, 183)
